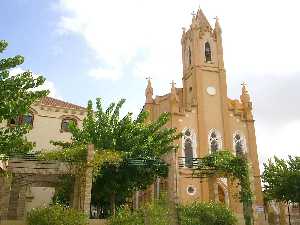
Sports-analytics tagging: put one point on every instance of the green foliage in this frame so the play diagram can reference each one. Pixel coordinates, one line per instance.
(159, 213)
(120, 140)
(56, 215)
(17, 93)
(200, 213)
(125, 216)
(63, 191)
(282, 179)
(155, 213)
(76, 155)
(224, 163)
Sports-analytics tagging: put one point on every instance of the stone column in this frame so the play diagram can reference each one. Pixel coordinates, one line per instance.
(76, 192)
(88, 180)
(5, 185)
(17, 199)
(83, 185)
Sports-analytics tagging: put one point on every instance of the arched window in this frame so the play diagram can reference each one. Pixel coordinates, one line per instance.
(207, 52)
(215, 141)
(189, 147)
(65, 123)
(190, 56)
(26, 119)
(239, 143)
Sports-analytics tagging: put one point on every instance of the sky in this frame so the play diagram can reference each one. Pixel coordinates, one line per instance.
(96, 48)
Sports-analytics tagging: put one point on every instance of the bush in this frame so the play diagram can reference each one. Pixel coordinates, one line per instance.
(155, 213)
(206, 214)
(56, 215)
(125, 216)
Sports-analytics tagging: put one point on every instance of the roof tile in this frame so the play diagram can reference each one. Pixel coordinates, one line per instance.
(49, 101)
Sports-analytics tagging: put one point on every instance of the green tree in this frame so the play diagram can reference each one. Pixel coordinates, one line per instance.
(282, 179)
(17, 93)
(140, 143)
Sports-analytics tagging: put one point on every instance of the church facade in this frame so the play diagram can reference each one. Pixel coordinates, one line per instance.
(208, 120)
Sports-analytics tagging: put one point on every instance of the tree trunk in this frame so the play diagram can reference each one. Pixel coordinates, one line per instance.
(113, 203)
(282, 219)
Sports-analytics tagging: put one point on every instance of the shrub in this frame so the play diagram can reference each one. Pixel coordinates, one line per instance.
(56, 215)
(155, 213)
(200, 213)
(125, 216)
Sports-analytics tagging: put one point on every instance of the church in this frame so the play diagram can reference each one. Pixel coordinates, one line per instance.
(208, 120)
(201, 110)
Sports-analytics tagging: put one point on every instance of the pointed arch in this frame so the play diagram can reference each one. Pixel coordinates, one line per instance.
(189, 146)
(207, 52)
(222, 191)
(239, 143)
(214, 140)
(189, 56)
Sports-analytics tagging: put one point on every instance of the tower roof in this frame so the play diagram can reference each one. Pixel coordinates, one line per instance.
(201, 21)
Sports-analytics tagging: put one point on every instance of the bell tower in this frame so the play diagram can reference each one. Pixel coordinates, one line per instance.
(204, 79)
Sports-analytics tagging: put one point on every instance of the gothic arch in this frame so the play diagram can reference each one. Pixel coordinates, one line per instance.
(189, 56)
(207, 51)
(239, 143)
(189, 146)
(214, 140)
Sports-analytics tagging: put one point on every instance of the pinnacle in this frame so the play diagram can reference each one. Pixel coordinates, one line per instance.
(217, 25)
(201, 19)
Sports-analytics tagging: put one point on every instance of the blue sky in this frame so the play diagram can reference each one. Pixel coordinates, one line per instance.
(96, 48)
(31, 28)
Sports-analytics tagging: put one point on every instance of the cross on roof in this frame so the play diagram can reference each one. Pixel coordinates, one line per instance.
(173, 83)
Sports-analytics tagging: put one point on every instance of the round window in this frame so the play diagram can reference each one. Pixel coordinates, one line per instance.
(191, 190)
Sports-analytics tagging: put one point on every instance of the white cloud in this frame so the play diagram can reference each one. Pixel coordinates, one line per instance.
(100, 73)
(48, 85)
(281, 142)
(258, 35)
(260, 38)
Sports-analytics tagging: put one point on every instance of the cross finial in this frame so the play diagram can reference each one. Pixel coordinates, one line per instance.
(244, 84)
(193, 13)
(173, 83)
(148, 78)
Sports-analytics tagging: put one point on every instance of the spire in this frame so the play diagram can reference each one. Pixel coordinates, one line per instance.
(149, 92)
(245, 97)
(217, 26)
(201, 21)
(173, 92)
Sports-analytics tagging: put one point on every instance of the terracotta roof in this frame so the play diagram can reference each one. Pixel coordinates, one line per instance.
(48, 101)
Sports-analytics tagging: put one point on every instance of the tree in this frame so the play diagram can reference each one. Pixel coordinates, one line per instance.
(139, 142)
(17, 93)
(282, 179)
